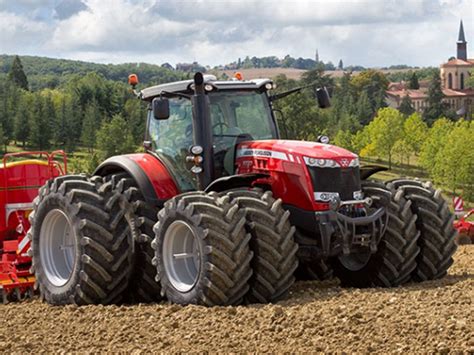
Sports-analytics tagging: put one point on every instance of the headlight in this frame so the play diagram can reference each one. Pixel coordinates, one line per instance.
(354, 162)
(321, 163)
(326, 196)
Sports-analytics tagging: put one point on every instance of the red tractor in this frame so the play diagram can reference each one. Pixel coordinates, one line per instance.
(465, 228)
(20, 180)
(219, 210)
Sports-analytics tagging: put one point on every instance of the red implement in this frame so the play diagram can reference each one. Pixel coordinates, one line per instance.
(21, 175)
(465, 228)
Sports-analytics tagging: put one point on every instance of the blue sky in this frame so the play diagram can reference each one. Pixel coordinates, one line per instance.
(365, 32)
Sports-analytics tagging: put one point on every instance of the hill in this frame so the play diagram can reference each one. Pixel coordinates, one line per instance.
(43, 72)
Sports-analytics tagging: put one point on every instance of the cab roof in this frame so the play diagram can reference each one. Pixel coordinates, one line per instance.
(185, 86)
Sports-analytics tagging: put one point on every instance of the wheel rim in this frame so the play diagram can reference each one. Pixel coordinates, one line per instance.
(181, 256)
(57, 247)
(355, 262)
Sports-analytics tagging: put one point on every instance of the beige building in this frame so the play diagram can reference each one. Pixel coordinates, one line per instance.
(454, 76)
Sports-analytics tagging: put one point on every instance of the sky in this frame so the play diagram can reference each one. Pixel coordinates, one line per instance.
(372, 33)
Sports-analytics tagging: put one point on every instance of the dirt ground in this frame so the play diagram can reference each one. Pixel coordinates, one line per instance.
(433, 316)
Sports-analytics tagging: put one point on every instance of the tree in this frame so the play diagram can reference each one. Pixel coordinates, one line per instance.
(364, 109)
(374, 83)
(413, 84)
(384, 132)
(344, 139)
(470, 81)
(115, 138)
(434, 101)
(39, 128)
(454, 165)
(90, 125)
(3, 141)
(340, 66)
(22, 122)
(434, 142)
(16, 74)
(406, 106)
(415, 133)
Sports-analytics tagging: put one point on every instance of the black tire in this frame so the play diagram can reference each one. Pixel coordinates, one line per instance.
(395, 258)
(218, 227)
(102, 256)
(272, 243)
(435, 223)
(143, 216)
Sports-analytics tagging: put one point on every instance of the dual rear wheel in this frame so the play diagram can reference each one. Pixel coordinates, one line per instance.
(92, 243)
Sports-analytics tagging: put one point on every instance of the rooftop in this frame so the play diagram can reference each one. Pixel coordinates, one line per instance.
(458, 62)
(186, 86)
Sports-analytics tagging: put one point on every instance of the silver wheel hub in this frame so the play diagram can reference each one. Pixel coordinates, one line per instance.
(57, 247)
(181, 256)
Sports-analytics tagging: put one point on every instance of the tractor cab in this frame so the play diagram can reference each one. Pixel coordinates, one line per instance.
(237, 111)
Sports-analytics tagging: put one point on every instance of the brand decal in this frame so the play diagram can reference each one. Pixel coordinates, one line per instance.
(242, 153)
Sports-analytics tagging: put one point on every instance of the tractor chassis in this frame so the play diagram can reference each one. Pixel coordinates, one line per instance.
(332, 233)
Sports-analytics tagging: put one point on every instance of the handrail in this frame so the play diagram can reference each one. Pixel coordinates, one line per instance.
(63, 154)
(49, 157)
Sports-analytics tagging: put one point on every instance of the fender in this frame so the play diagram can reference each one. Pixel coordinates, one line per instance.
(367, 171)
(150, 174)
(234, 181)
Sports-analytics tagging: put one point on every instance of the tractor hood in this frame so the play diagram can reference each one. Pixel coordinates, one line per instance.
(296, 151)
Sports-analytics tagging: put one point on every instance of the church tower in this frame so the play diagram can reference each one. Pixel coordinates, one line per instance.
(462, 44)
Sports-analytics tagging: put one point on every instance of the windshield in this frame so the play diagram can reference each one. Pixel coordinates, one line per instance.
(237, 116)
(241, 112)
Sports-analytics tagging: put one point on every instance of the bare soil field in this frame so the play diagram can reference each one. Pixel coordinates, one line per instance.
(435, 316)
(291, 73)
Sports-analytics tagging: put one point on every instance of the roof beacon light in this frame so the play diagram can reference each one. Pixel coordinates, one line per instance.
(238, 76)
(133, 80)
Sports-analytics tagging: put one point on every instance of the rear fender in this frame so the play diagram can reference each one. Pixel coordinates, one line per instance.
(150, 174)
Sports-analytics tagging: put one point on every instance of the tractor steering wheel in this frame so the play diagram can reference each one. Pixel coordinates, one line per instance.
(220, 124)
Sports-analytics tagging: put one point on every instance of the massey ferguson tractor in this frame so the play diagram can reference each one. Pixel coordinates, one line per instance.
(219, 210)
(21, 175)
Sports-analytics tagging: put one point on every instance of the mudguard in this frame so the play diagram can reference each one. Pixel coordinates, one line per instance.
(367, 171)
(150, 174)
(234, 181)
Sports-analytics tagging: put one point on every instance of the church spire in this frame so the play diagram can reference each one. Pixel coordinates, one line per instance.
(461, 44)
(461, 37)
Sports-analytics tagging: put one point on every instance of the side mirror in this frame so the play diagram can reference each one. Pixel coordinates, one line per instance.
(161, 108)
(322, 96)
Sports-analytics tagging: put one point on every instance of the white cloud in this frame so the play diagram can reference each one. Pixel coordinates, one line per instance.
(367, 32)
(20, 32)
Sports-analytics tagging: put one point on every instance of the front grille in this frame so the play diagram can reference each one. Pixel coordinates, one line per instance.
(342, 180)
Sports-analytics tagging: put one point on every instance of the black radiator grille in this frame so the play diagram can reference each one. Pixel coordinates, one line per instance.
(342, 180)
